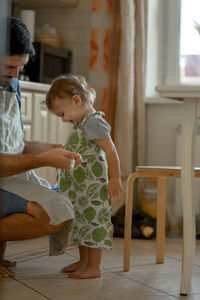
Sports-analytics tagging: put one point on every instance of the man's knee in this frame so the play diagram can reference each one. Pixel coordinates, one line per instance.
(55, 228)
(36, 211)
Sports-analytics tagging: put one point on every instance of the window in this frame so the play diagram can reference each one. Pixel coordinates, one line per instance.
(189, 62)
(173, 44)
(162, 45)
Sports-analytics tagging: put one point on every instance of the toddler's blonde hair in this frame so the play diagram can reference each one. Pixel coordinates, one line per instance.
(70, 85)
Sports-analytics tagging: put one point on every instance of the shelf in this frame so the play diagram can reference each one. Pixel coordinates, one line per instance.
(32, 4)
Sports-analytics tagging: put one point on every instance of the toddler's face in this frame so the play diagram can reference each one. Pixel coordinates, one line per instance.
(69, 109)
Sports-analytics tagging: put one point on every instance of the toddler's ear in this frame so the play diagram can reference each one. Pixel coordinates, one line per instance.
(77, 100)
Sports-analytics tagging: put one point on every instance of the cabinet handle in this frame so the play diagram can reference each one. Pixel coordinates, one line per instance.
(43, 108)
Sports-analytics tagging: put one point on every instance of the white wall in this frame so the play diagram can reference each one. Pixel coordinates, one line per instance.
(73, 24)
(162, 121)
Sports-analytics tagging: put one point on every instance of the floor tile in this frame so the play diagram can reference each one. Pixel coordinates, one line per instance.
(17, 249)
(162, 277)
(42, 267)
(110, 286)
(28, 249)
(12, 289)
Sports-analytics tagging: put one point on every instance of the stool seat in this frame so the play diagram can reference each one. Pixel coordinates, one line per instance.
(161, 173)
(154, 171)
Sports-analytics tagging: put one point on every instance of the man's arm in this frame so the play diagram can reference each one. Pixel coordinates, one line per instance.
(57, 158)
(37, 147)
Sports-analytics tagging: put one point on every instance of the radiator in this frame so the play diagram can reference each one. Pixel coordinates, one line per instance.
(178, 204)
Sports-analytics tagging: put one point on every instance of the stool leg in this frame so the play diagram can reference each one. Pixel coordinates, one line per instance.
(128, 221)
(160, 224)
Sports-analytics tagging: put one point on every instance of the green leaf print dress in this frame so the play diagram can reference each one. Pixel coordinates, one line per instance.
(86, 184)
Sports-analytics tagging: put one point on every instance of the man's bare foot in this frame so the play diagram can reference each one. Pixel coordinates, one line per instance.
(5, 272)
(8, 263)
(4, 264)
(86, 273)
(79, 265)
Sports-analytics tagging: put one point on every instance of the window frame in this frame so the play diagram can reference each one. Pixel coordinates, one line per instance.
(163, 39)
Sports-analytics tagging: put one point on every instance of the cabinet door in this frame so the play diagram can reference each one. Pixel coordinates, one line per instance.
(26, 107)
(63, 130)
(40, 118)
(27, 132)
(41, 131)
(57, 133)
(58, 130)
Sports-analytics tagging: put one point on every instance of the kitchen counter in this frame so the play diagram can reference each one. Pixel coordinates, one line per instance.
(34, 86)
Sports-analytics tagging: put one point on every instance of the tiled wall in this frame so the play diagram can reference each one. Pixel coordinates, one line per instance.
(73, 24)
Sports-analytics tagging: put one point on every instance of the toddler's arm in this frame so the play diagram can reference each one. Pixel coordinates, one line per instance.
(114, 185)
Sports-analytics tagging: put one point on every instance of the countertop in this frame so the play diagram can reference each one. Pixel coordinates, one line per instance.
(34, 86)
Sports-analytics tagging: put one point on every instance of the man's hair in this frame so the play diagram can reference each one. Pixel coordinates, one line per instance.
(19, 40)
(70, 85)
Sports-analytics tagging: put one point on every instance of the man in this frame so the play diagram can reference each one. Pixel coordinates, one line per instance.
(28, 207)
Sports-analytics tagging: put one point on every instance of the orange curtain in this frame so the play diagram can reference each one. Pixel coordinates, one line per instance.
(100, 45)
(117, 71)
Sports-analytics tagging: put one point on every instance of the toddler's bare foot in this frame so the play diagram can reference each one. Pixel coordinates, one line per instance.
(74, 267)
(86, 273)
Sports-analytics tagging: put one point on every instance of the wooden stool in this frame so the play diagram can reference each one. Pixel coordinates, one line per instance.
(161, 173)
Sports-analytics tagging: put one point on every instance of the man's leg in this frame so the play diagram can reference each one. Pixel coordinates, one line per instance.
(4, 264)
(21, 226)
(34, 223)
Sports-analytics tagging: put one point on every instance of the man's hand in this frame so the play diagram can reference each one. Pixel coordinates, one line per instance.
(59, 158)
(36, 147)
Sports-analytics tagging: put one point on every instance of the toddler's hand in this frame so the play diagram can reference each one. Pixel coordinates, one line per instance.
(114, 187)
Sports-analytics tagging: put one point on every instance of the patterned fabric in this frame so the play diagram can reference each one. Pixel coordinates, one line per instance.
(86, 184)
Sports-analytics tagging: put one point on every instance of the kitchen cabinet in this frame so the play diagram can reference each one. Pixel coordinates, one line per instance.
(39, 124)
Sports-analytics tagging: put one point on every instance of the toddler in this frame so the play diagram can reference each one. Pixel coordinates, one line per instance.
(91, 185)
